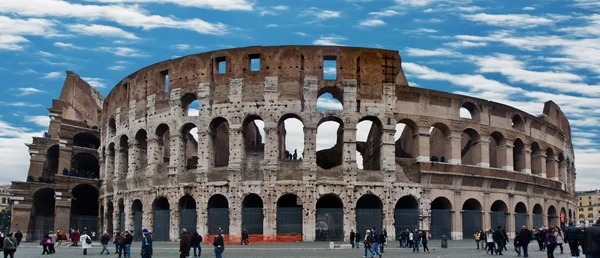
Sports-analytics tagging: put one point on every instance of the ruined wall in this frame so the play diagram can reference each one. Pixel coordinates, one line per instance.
(83, 102)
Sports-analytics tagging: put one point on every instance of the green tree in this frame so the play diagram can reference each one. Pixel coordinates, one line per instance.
(5, 217)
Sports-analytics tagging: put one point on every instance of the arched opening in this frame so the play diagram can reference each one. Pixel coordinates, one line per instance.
(289, 215)
(538, 216)
(137, 211)
(469, 110)
(86, 165)
(252, 214)
(43, 211)
(124, 158)
(369, 213)
(552, 217)
(537, 159)
(470, 153)
(190, 105)
(162, 219)
(219, 135)
(330, 133)
(188, 216)
(218, 214)
(406, 214)
(253, 131)
(110, 209)
(518, 123)
(441, 218)
(497, 150)
(471, 218)
(189, 132)
(141, 147)
(290, 131)
(498, 214)
(121, 221)
(51, 164)
(520, 216)
(563, 217)
(330, 98)
(369, 131)
(404, 139)
(163, 136)
(86, 140)
(551, 165)
(110, 165)
(519, 155)
(439, 149)
(329, 218)
(112, 126)
(562, 168)
(84, 208)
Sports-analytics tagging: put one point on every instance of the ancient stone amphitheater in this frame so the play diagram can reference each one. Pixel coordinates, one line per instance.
(423, 164)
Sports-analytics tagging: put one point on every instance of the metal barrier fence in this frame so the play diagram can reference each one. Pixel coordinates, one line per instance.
(520, 220)
(289, 220)
(252, 220)
(498, 219)
(441, 223)
(137, 225)
(369, 218)
(471, 222)
(85, 223)
(538, 220)
(41, 225)
(405, 219)
(218, 218)
(331, 220)
(188, 219)
(122, 222)
(162, 223)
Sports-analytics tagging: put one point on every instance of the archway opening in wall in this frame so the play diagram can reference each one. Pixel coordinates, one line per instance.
(141, 145)
(289, 215)
(497, 147)
(538, 216)
(470, 153)
(84, 208)
(552, 216)
(518, 123)
(441, 218)
(189, 132)
(252, 214)
(121, 221)
(519, 155)
(124, 159)
(329, 218)
(188, 216)
(330, 98)
(137, 210)
(521, 215)
(439, 149)
(369, 132)
(86, 165)
(112, 126)
(562, 168)
(406, 214)
(405, 141)
(253, 132)
(471, 218)
(42, 220)
(218, 214)
(369, 213)
(469, 110)
(162, 219)
(163, 134)
(110, 210)
(537, 160)
(498, 214)
(330, 133)
(550, 164)
(111, 172)
(219, 135)
(190, 105)
(563, 218)
(86, 140)
(51, 164)
(102, 218)
(290, 132)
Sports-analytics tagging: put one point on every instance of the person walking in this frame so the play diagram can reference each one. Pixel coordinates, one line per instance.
(122, 249)
(525, 237)
(146, 243)
(550, 242)
(574, 237)
(117, 243)
(44, 243)
(52, 242)
(185, 244)
(424, 240)
(104, 241)
(357, 239)
(126, 246)
(219, 245)
(410, 239)
(75, 237)
(352, 235)
(517, 244)
(18, 237)
(382, 239)
(367, 243)
(196, 241)
(591, 241)
(560, 239)
(477, 238)
(499, 239)
(9, 245)
(489, 239)
(416, 241)
(86, 242)
(403, 238)
(375, 242)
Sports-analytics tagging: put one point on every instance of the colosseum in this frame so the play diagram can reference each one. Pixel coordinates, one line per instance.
(141, 158)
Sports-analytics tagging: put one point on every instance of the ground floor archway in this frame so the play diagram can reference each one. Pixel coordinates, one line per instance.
(441, 218)
(369, 213)
(406, 214)
(538, 216)
(520, 216)
(188, 217)
(84, 208)
(471, 218)
(137, 212)
(42, 219)
(498, 214)
(218, 214)
(252, 214)
(162, 219)
(329, 221)
(289, 215)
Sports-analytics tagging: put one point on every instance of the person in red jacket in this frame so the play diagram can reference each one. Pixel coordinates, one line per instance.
(75, 237)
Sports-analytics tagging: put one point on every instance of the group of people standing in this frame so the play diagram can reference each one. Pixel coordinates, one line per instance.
(414, 239)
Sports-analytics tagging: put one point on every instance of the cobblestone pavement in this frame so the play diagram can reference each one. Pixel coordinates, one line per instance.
(458, 249)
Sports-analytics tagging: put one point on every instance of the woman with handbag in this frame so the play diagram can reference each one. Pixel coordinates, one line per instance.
(9, 246)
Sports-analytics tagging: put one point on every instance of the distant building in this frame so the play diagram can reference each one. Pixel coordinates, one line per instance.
(588, 207)
(5, 195)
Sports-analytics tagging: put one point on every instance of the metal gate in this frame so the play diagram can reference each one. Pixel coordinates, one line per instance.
(137, 225)
(289, 220)
(252, 220)
(162, 222)
(498, 219)
(471, 220)
(538, 220)
(41, 225)
(122, 222)
(369, 218)
(405, 219)
(85, 223)
(520, 220)
(331, 220)
(188, 219)
(441, 223)
(218, 218)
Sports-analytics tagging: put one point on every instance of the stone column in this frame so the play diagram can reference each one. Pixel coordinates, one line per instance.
(65, 154)
(174, 231)
(552, 169)
(505, 156)
(349, 148)
(349, 209)
(481, 151)
(387, 154)
(201, 220)
(308, 215)
(272, 151)
(235, 152)
(539, 162)
(62, 215)
(309, 156)
(205, 154)
(525, 160)
(133, 160)
(457, 233)
(148, 218)
(154, 157)
(270, 218)
(452, 149)
(177, 160)
(421, 149)
(235, 215)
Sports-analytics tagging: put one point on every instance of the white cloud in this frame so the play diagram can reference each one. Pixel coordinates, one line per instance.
(327, 135)
(66, 45)
(301, 34)
(19, 104)
(272, 25)
(328, 103)
(329, 70)
(329, 40)
(43, 121)
(465, 44)
(371, 23)
(414, 3)
(586, 163)
(13, 152)
(95, 82)
(385, 13)
(422, 30)
(508, 20)
(222, 5)
(185, 47)
(470, 9)
(435, 52)
(46, 54)
(528, 8)
(320, 15)
(52, 75)
(31, 26)
(117, 68)
(12, 42)
(123, 51)
(28, 91)
(101, 30)
(281, 7)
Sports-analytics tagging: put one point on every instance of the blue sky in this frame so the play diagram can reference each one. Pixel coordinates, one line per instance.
(521, 53)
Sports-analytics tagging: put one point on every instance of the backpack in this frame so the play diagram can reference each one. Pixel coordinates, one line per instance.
(88, 240)
(48, 241)
(200, 238)
(552, 238)
(477, 236)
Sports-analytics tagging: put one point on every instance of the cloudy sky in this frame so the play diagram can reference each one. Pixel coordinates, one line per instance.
(520, 53)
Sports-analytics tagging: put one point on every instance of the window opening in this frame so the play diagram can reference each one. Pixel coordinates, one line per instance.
(329, 68)
(254, 62)
(221, 65)
(165, 77)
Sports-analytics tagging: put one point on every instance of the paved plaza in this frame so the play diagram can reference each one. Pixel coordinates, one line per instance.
(459, 249)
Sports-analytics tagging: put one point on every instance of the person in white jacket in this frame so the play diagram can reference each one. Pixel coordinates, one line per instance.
(86, 242)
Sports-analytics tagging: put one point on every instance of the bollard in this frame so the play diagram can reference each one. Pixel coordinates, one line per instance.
(444, 241)
(331, 245)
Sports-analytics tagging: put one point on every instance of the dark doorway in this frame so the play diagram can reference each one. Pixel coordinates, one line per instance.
(369, 213)
(289, 215)
(188, 216)
(42, 220)
(51, 165)
(252, 214)
(84, 208)
(110, 209)
(218, 214)
(87, 165)
(330, 219)
(406, 214)
(538, 216)
(498, 214)
(520, 216)
(162, 219)
(137, 209)
(471, 218)
(441, 218)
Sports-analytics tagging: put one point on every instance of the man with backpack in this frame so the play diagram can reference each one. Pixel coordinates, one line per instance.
(146, 243)
(375, 242)
(196, 241)
(573, 236)
(499, 239)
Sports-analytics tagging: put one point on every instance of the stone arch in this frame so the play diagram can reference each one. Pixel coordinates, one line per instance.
(552, 217)
(141, 147)
(289, 215)
(51, 164)
(190, 105)
(498, 212)
(518, 122)
(253, 128)
(110, 210)
(162, 218)
(470, 153)
(218, 214)
(470, 111)
(112, 126)
(86, 165)
(110, 169)
(296, 130)
(329, 218)
(84, 208)
(563, 219)
(471, 218)
(43, 213)
(551, 166)
(439, 149)
(519, 154)
(498, 150)
(219, 135)
(441, 217)
(330, 98)
(329, 154)
(188, 216)
(521, 215)
(369, 213)
(124, 156)
(369, 149)
(86, 140)
(406, 214)
(163, 136)
(189, 133)
(405, 143)
(537, 159)
(562, 168)
(137, 209)
(252, 214)
(538, 216)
